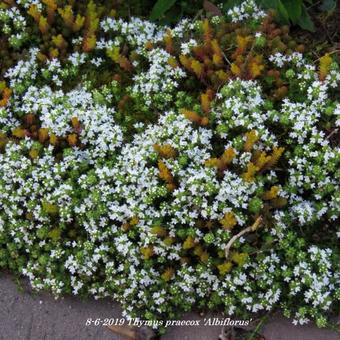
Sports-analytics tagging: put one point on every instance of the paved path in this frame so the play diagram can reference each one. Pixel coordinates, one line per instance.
(30, 316)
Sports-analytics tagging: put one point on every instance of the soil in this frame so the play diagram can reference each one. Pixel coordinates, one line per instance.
(26, 315)
(326, 38)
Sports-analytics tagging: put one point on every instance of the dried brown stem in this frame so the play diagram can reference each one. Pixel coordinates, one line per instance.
(253, 227)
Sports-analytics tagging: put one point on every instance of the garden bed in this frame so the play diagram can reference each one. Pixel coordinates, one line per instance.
(169, 167)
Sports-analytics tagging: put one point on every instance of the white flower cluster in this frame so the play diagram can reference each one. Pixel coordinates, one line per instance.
(28, 3)
(136, 33)
(313, 164)
(13, 24)
(24, 71)
(247, 10)
(159, 82)
(241, 105)
(145, 218)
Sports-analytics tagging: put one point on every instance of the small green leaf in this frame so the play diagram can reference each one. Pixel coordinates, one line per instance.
(55, 234)
(49, 208)
(328, 5)
(279, 7)
(230, 4)
(160, 7)
(284, 16)
(305, 21)
(294, 9)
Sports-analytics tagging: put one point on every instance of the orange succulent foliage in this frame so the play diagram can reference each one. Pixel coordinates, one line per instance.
(158, 230)
(233, 51)
(72, 139)
(148, 45)
(29, 119)
(208, 63)
(59, 41)
(279, 202)
(228, 156)
(53, 53)
(166, 176)
(168, 274)
(217, 53)
(222, 75)
(280, 93)
(168, 42)
(261, 158)
(19, 132)
(172, 62)
(125, 63)
(228, 221)
(271, 194)
(34, 12)
(235, 69)
(242, 45)
(324, 66)
(195, 117)
(251, 139)
(165, 151)
(147, 252)
(91, 26)
(225, 267)
(222, 162)
(78, 23)
(67, 14)
(33, 153)
(53, 139)
(217, 60)
(255, 66)
(117, 57)
(185, 61)
(75, 122)
(200, 51)
(89, 42)
(3, 141)
(51, 9)
(6, 94)
(189, 243)
(216, 47)
(249, 175)
(197, 68)
(42, 134)
(207, 31)
(205, 102)
(264, 161)
(277, 153)
(213, 162)
(43, 25)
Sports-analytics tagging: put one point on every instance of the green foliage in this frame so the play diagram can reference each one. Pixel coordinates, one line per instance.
(134, 166)
(171, 11)
(160, 7)
(295, 12)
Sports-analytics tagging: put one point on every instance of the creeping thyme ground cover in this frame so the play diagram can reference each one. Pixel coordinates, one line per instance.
(170, 168)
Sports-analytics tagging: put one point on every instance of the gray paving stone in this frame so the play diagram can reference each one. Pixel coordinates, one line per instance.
(30, 316)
